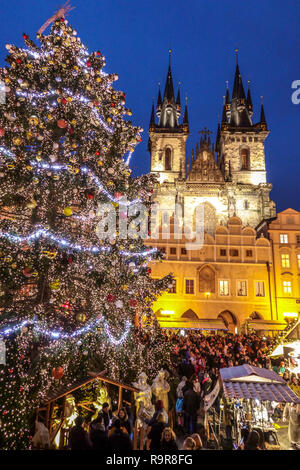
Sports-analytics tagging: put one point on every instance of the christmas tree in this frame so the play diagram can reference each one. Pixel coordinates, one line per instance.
(75, 295)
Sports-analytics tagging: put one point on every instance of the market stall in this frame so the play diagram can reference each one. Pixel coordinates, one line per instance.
(61, 406)
(251, 396)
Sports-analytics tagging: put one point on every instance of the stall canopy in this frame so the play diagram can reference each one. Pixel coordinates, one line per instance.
(254, 382)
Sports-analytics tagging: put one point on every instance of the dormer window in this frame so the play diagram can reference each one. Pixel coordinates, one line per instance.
(168, 159)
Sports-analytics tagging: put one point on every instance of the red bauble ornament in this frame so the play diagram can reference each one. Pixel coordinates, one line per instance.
(63, 101)
(22, 357)
(97, 153)
(10, 371)
(62, 20)
(111, 298)
(58, 372)
(149, 270)
(99, 53)
(2, 132)
(71, 130)
(133, 303)
(25, 36)
(88, 64)
(18, 61)
(70, 260)
(118, 195)
(96, 103)
(62, 124)
(5, 412)
(113, 105)
(90, 196)
(21, 389)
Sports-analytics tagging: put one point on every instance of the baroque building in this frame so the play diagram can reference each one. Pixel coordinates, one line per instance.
(227, 279)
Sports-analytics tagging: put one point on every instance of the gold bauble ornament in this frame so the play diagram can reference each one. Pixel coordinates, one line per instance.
(109, 119)
(81, 317)
(31, 204)
(68, 211)
(33, 120)
(55, 285)
(17, 141)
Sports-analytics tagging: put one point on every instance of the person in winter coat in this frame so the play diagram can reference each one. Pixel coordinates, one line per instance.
(159, 408)
(98, 435)
(78, 437)
(168, 441)
(191, 403)
(206, 384)
(118, 440)
(155, 433)
(106, 414)
(291, 412)
(180, 387)
(125, 423)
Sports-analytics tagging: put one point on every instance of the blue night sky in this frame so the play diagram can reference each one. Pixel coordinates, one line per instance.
(135, 37)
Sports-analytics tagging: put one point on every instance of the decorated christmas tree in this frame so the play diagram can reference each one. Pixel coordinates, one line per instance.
(75, 295)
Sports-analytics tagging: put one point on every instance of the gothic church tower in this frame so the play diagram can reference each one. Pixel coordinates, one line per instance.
(167, 138)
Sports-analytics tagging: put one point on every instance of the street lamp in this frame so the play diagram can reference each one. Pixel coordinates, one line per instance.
(207, 295)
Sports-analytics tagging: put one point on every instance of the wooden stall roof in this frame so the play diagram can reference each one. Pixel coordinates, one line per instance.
(62, 390)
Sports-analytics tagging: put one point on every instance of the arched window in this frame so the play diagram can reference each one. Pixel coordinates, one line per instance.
(168, 159)
(245, 158)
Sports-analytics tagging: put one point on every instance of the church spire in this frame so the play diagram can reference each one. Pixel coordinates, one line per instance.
(263, 122)
(239, 113)
(169, 116)
(186, 117)
(249, 101)
(152, 117)
(169, 89)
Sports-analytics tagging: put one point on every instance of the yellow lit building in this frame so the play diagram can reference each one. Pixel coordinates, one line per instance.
(227, 283)
(284, 234)
(241, 275)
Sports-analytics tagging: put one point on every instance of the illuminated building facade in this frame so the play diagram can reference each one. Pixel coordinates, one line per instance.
(230, 279)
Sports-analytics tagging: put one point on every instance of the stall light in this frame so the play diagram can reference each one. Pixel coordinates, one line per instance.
(290, 314)
(167, 312)
(182, 332)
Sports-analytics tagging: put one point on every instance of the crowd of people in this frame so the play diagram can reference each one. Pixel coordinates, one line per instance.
(196, 362)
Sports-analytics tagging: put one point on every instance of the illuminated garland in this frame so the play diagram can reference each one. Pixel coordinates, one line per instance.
(60, 335)
(41, 232)
(81, 99)
(85, 170)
